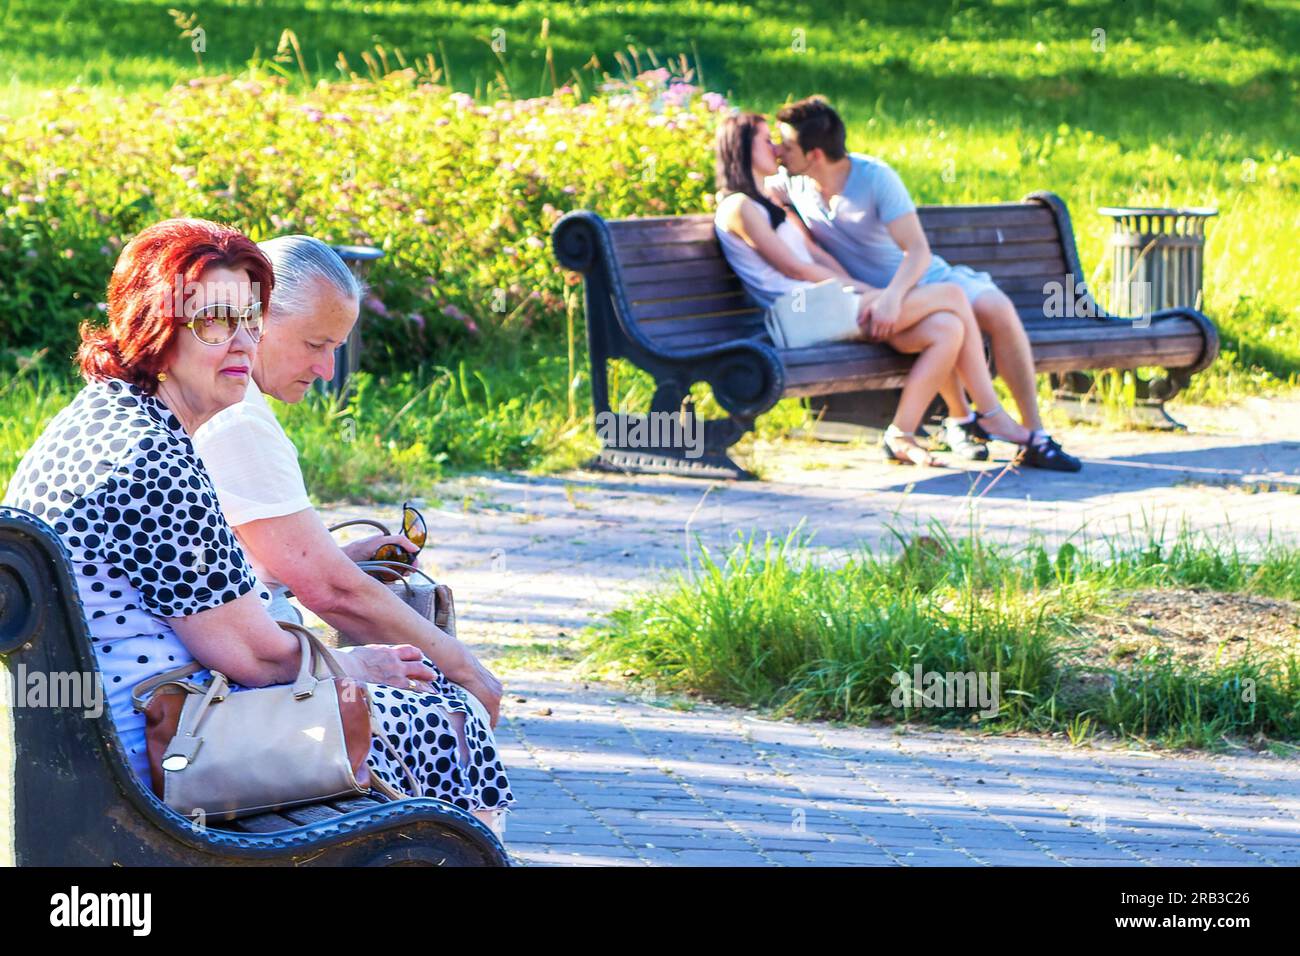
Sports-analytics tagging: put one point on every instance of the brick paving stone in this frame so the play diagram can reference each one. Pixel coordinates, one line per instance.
(721, 858)
(789, 858)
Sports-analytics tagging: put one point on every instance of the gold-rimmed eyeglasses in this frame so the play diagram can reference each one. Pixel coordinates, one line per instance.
(218, 323)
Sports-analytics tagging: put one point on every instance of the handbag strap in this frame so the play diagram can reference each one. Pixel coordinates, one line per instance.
(383, 529)
(314, 652)
(387, 789)
(144, 690)
(395, 566)
(186, 741)
(310, 651)
(402, 571)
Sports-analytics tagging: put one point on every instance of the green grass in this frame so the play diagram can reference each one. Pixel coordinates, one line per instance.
(392, 438)
(768, 626)
(1188, 103)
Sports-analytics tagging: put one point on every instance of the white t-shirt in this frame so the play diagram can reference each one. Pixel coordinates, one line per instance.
(762, 280)
(252, 462)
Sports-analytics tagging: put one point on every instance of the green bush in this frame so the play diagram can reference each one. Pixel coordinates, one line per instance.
(460, 195)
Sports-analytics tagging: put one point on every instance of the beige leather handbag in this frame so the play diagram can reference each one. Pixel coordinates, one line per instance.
(814, 315)
(224, 755)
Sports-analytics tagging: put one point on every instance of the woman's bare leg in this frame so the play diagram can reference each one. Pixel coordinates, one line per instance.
(972, 370)
(936, 340)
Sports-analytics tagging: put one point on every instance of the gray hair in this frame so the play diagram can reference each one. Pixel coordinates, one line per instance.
(299, 262)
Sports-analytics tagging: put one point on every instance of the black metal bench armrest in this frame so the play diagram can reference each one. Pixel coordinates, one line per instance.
(1209, 334)
(1061, 213)
(583, 243)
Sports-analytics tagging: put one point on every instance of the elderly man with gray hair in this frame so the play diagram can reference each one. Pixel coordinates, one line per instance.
(259, 483)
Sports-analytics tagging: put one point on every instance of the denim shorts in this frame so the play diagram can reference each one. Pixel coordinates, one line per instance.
(973, 283)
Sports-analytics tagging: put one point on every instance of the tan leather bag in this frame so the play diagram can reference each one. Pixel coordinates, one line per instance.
(226, 755)
(421, 593)
(428, 598)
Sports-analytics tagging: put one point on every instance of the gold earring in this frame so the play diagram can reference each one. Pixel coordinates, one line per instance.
(162, 376)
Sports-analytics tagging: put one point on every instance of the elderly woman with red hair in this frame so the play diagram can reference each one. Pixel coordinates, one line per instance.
(160, 574)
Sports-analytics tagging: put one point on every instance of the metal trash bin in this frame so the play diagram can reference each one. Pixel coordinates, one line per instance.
(348, 355)
(1157, 256)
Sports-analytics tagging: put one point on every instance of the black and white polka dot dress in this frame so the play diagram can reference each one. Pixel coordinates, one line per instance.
(416, 725)
(117, 478)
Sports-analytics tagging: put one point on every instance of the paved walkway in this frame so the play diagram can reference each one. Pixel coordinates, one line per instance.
(604, 777)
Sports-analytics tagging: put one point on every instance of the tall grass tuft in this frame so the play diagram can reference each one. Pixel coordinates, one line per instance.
(771, 625)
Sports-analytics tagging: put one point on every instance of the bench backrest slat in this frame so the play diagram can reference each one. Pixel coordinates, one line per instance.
(683, 293)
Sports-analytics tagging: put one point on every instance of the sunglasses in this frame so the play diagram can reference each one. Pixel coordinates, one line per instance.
(218, 323)
(415, 530)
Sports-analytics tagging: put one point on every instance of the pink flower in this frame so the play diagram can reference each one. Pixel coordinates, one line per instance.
(373, 303)
(679, 94)
(714, 101)
(454, 313)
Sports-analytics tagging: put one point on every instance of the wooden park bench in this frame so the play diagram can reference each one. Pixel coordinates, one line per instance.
(75, 801)
(660, 294)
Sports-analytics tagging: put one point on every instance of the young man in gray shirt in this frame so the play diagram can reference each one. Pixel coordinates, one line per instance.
(859, 211)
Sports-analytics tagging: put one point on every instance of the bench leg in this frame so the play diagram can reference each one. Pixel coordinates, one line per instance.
(1075, 393)
(670, 440)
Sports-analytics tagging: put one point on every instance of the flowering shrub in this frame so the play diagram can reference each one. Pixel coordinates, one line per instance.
(461, 195)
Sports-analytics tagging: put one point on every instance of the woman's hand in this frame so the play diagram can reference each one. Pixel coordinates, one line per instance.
(365, 548)
(397, 665)
(482, 683)
(867, 297)
(882, 315)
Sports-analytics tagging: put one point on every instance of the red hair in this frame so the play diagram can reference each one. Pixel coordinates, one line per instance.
(146, 295)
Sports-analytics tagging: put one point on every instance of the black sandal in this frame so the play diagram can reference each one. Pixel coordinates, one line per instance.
(1049, 456)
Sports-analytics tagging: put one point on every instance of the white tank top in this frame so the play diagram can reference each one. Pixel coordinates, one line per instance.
(761, 279)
